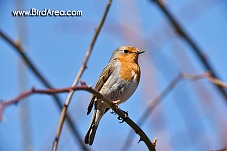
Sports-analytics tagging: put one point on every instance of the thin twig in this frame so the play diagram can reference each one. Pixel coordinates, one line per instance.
(206, 75)
(215, 80)
(149, 109)
(115, 108)
(179, 29)
(164, 93)
(80, 72)
(37, 73)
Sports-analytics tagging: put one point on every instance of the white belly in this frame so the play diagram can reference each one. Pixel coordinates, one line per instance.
(117, 89)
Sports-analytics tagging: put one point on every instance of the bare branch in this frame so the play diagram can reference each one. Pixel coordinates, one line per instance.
(199, 53)
(223, 149)
(114, 107)
(80, 72)
(206, 75)
(149, 109)
(164, 93)
(215, 80)
(42, 79)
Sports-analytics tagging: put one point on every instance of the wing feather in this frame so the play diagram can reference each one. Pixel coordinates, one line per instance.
(102, 79)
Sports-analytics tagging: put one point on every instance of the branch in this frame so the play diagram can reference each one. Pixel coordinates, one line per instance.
(206, 75)
(137, 129)
(80, 72)
(115, 108)
(223, 149)
(154, 103)
(37, 73)
(193, 45)
(214, 80)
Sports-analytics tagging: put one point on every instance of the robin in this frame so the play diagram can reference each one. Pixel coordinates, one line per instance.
(118, 81)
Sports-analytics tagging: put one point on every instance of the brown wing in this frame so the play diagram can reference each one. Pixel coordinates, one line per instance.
(102, 79)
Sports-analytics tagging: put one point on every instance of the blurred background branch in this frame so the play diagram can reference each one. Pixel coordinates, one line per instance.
(165, 92)
(72, 124)
(114, 107)
(23, 82)
(181, 32)
(192, 117)
(79, 74)
(145, 115)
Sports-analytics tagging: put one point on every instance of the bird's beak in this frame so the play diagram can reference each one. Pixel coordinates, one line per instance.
(140, 51)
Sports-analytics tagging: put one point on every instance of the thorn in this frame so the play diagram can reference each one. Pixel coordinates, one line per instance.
(33, 89)
(140, 140)
(155, 141)
(90, 86)
(82, 83)
(137, 132)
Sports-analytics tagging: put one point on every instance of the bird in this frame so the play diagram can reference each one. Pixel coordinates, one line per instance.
(118, 81)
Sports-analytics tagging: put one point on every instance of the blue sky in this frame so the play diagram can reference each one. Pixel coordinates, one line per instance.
(190, 118)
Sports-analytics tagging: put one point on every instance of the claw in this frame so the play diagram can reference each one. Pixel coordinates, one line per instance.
(125, 112)
(112, 112)
(120, 119)
(126, 115)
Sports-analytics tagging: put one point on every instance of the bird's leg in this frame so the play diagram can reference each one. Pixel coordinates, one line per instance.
(116, 102)
(125, 113)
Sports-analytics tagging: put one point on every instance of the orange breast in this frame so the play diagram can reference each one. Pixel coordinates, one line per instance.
(129, 70)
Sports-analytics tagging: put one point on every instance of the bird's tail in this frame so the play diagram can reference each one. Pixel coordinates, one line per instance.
(90, 135)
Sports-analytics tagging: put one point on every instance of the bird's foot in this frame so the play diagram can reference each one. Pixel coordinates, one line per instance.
(113, 112)
(123, 119)
(116, 102)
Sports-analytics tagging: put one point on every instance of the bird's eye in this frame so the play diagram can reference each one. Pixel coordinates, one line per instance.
(125, 51)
